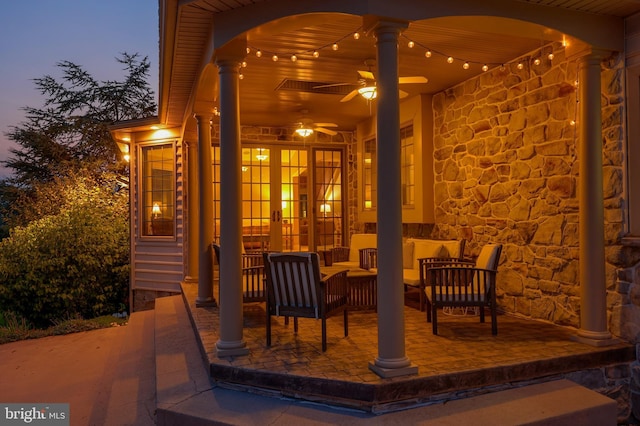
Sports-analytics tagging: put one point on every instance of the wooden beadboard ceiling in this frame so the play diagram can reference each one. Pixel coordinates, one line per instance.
(478, 41)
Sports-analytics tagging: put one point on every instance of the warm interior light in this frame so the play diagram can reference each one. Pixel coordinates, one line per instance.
(127, 157)
(261, 157)
(155, 210)
(325, 208)
(368, 92)
(304, 131)
(367, 204)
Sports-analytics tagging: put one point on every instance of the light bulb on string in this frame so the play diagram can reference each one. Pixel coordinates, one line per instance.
(244, 64)
(427, 54)
(485, 68)
(335, 46)
(241, 76)
(294, 58)
(550, 56)
(356, 35)
(520, 65)
(274, 58)
(450, 59)
(536, 61)
(248, 50)
(465, 66)
(411, 44)
(259, 53)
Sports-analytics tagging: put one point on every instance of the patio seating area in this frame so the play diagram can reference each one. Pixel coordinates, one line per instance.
(464, 359)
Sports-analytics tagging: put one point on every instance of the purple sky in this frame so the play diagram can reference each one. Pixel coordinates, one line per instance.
(37, 34)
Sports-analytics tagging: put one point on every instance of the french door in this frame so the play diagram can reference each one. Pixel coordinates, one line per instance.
(292, 197)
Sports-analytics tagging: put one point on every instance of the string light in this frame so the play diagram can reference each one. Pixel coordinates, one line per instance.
(315, 53)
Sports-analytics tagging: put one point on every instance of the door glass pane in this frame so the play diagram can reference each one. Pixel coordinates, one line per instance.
(328, 198)
(295, 208)
(255, 198)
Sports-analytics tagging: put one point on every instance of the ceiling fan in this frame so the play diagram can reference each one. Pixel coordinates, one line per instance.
(305, 127)
(367, 83)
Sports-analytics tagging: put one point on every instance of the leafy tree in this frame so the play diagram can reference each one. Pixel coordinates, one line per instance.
(74, 262)
(70, 132)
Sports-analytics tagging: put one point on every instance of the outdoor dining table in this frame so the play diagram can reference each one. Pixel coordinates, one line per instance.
(362, 283)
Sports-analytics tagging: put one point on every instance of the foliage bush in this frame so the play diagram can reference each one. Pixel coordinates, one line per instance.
(72, 262)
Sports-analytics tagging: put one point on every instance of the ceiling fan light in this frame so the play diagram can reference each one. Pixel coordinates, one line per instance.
(304, 131)
(368, 92)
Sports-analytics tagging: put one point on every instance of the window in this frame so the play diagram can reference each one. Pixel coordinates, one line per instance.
(407, 165)
(157, 190)
(369, 175)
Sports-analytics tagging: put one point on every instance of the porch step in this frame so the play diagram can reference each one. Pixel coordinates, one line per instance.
(132, 396)
(186, 395)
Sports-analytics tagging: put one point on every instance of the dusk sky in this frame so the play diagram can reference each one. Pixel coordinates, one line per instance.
(36, 35)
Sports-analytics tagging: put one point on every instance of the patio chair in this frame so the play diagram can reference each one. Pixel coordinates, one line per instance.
(461, 284)
(295, 289)
(454, 253)
(252, 275)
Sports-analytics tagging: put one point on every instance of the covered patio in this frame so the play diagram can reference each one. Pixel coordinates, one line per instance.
(462, 361)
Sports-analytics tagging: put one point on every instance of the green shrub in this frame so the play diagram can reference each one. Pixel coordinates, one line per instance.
(72, 263)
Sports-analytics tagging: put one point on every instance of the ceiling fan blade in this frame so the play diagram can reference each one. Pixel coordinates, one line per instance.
(325, 124)
(415, 79)
(327, 131)
(322, 86)
(350, 96)
(402, 94)
(367, 75)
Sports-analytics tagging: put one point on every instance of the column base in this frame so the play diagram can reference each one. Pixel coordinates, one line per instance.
(208, 302)
(190, 280)
(225, 349)
(393, 372)
(592, 341)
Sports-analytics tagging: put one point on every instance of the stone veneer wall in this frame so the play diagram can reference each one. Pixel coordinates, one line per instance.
(506, 170)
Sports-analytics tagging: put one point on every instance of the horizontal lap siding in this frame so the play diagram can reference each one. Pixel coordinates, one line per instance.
(158, 264)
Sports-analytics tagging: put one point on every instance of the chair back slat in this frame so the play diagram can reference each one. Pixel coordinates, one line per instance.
(293, 280)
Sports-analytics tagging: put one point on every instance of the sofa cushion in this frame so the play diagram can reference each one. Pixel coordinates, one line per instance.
(425, 248)
(360, 241)
(407, 254)
(451, 248)
(411, 277)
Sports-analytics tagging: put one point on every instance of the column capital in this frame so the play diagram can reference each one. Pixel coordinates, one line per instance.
(584, 54)
(379, 24)
(231, 54)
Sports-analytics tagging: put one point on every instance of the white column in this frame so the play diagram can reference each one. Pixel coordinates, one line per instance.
(192, 212)
(205, 212)
(593, 295)
(391, 360)
(231, 341)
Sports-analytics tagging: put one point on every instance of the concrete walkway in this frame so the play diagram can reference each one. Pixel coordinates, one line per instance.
(106, 376)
